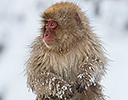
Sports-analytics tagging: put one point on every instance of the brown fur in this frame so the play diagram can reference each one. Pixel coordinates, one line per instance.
(77, 51)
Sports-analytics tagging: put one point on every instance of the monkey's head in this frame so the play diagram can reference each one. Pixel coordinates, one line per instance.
(64, 26)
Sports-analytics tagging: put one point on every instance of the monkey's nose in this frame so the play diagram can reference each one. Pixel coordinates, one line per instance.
(46, 35)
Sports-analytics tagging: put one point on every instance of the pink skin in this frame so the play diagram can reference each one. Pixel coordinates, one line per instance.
(49, 36)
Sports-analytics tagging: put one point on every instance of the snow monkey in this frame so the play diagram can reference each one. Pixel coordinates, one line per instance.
(67, 60)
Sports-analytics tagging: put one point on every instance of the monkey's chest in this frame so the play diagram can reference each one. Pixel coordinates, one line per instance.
(66, 69)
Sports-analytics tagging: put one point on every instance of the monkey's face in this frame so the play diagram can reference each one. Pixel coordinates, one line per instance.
(50, 27)
(58, 36)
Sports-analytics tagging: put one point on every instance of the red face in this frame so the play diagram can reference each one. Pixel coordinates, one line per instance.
(50, 27)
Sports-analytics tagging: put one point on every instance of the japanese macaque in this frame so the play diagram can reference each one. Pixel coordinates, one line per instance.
(67, 60)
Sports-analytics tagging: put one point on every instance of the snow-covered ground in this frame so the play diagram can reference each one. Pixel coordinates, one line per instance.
(20, 24)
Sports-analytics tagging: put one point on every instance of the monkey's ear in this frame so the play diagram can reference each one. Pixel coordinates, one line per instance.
(77, 18)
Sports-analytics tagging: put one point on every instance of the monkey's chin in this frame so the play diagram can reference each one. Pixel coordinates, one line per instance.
(49, 43)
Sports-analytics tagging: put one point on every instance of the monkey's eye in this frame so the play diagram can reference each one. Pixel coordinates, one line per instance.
(46, 24)
(52, 24)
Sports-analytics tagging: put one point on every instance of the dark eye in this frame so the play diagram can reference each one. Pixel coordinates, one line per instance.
(46, 24)
(52, 24)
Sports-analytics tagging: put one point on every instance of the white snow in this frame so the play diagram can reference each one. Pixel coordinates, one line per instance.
(64, 88)
(90, 67)
(50, 84)
(53, 79)
(20, 24)
(80, 76)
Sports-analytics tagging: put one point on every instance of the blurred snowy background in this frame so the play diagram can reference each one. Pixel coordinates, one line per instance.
(20, 24)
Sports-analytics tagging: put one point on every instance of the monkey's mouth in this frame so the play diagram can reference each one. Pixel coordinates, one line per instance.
(49, 42)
